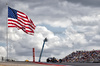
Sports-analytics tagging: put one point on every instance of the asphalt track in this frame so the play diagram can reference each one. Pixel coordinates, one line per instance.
(76, 64)
(27, 64)
(82, 64)
(19, 64)
(46, 64)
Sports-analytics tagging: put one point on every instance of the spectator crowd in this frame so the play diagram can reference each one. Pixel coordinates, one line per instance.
(83, 56)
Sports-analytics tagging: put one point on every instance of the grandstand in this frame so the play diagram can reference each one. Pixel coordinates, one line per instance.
(83, 56)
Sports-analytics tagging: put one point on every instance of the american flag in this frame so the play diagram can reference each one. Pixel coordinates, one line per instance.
(20, 20)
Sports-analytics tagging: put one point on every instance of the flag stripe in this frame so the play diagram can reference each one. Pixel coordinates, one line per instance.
(26, 23)
(21, 15)
(11, 26)
(20, 25)
(21, 12)
(22, 19)
(14, 21)
(30, 31)
(15, 25)
(29, 28)
(32, 23)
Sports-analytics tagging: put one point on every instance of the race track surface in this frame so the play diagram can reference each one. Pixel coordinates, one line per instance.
(20, 64)
(46, 64)
(82, 64)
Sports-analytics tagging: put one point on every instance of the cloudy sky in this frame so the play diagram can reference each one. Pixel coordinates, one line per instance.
(69, 25)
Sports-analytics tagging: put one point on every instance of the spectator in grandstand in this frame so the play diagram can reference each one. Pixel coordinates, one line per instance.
(83, 56)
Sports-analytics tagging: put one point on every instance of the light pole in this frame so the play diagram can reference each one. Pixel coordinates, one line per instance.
(45, 40)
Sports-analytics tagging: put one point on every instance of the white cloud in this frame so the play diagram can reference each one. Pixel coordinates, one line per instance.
(2, 52)
(96, 37)
(15, 34)
(75, 37)
(92, 48)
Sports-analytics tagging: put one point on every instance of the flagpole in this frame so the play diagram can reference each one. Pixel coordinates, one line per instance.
(7, 32)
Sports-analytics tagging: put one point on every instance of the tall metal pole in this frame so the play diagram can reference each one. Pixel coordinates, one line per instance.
(7, 32)
(45, 40)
